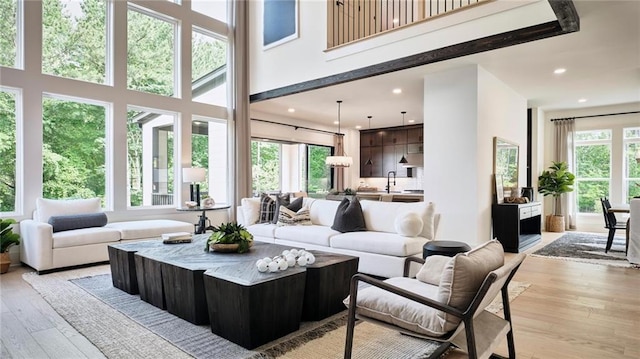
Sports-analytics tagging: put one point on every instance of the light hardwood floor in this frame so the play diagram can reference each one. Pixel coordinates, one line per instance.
(571, 310)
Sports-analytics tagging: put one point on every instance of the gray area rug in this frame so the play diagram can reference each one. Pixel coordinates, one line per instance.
(586, 247)
(122, 326)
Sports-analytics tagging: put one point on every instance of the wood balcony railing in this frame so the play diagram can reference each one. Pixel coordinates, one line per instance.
(352, 20)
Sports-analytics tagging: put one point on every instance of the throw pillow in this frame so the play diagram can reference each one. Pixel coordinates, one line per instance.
(77, 221)
(408, 224)
(349, 217)
(281, 200)
(288, 217)
(267, 208)
(250, 210)
(432, 268)
(463, 275)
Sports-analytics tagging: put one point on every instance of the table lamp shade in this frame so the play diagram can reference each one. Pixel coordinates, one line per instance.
(194, 174)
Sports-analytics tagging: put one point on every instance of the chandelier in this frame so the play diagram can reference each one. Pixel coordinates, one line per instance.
(340, 160)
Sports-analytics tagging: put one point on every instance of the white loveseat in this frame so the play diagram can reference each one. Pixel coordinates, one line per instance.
(381, 249)
(43, 249)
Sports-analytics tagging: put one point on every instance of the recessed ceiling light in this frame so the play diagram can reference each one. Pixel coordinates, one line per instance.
(335, 122)
(292, 110)
(559, 71)
(582, 100)
(411, 121)
(358, 127)
(397, 90)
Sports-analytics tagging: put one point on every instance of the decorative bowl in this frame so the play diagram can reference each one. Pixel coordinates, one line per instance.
(190, 204)
(226, 247)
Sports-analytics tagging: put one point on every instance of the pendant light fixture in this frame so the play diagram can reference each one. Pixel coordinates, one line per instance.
(403, 160)
(369, 163)
(340, 160)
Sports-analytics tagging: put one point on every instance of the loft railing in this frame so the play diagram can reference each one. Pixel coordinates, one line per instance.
(351, 20)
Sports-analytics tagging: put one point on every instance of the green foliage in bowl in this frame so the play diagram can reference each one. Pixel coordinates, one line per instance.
(231, 233)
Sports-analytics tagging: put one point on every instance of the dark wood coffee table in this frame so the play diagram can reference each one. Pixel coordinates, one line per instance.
(170, 276)
(251, 308)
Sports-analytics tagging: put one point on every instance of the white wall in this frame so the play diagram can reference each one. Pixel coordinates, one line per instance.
(306, 57)
(594, 222)
(466, 107)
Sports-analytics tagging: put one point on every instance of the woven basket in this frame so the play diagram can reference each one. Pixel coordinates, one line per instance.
(226, 248)
(555, 223)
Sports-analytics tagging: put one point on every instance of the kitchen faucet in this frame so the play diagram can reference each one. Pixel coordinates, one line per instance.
(389, 180)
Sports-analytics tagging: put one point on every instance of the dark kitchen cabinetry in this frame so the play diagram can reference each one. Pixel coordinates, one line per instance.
(385, 147)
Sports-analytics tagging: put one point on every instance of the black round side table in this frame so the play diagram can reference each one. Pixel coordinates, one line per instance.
(444, 248)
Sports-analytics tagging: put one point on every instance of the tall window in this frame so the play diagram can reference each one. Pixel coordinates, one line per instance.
(151, 53)
(74, 39)
(319, 178)
(87, 114)
(209, 150)
(7, 150)
(150, 157)
(593, 169)
(209, 68)
(265, 166)
(631, 165)
(8, 33)
(73, 148)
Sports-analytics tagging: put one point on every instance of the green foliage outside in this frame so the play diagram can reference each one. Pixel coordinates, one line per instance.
(265, 166)
(593, 170)
(74, 46)
(319, 172)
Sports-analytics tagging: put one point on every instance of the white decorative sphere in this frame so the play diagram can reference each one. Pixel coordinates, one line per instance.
(273, 267)
(262, 266)
(294, 252)
(302, 261)
(285, 252)
(291, 260)
(310, 258)
(283, 265)
(267, 260)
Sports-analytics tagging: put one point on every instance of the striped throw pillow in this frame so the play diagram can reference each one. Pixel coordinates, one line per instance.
(267, 208)
(288, 217)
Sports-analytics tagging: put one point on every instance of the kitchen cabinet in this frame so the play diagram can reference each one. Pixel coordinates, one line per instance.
(386, 146)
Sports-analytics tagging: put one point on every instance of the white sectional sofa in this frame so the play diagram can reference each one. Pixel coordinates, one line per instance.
(381, 249)
(44, 250)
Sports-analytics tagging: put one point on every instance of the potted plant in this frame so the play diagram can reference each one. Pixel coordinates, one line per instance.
(554, 182)
(230, 237)
(7, 239)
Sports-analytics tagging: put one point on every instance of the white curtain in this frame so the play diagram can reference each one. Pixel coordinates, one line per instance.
(564, 132)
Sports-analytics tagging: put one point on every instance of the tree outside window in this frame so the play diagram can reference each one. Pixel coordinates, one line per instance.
(593, 169)
(632, 167)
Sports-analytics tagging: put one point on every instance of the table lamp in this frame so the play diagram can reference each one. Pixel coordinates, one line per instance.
(194, 175)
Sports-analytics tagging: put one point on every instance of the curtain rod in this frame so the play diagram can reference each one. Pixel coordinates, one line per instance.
(606, 114)
(297, 127)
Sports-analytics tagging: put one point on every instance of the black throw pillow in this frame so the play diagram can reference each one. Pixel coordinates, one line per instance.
(77, 221)
(281, 200)
(349, 217)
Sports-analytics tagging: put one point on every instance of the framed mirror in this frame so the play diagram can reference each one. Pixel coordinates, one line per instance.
(505, 162)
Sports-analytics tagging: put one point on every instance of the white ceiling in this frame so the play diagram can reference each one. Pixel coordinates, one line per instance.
(602, 62)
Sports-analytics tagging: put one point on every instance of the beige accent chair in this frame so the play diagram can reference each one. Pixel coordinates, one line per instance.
(445, 302)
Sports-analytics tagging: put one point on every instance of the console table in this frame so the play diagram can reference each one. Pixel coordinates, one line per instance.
(517, 226)
(202, 227)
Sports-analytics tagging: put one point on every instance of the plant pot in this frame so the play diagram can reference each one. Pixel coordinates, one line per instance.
(5, 262)
(555, 223)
